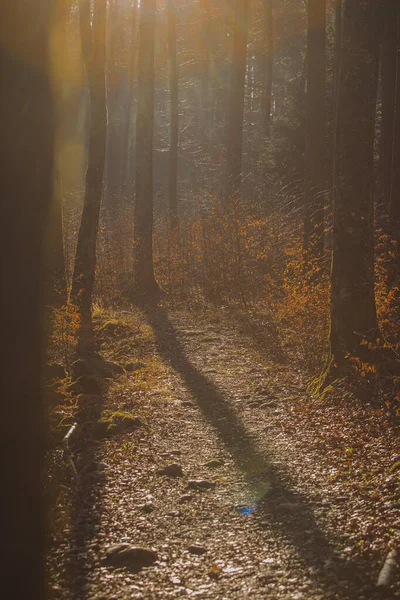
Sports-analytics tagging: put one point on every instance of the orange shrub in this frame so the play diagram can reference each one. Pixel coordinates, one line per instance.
(64, 326)
(301, 307)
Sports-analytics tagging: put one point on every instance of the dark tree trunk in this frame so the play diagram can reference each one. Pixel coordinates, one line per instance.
(315, 164)
(269, 64)
(338, 44)
(146, 287)
(26, 182)
(174, 127)
(126, 160)
(353, 312)
(236, 103)
(114, 77)
(93, 47)
(388, 71)
(394, 208)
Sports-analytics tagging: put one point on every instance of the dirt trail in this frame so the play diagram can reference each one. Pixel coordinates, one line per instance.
(271, 526)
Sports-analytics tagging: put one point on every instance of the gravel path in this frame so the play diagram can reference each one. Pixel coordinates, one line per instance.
(268, 527)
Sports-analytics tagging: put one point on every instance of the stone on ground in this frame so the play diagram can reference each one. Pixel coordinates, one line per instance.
(172, 470)
(133, 558)
(200, 484)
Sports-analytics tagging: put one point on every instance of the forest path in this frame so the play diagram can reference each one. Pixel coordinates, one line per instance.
(271, 526)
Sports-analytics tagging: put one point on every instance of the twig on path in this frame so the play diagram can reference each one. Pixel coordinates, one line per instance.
(67, 449)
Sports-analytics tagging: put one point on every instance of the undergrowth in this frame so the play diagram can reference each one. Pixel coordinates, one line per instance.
(236, 253)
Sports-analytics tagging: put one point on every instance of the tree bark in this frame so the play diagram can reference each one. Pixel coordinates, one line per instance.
(394, 207)
(26, 188)
(146, 287)
(93, 47)
(204, 7)
(353, 311)
(114, 77)
(338, 45)
(269, 65)
(394, 213)
(389, 52)
(220, 79)
(126, 159)
(236, 105)
(174, 126)
(315, 163)
(54, 267)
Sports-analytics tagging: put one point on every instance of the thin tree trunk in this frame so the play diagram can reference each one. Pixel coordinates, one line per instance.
(220, 77)
(54, 267)
(146, 287)
(55, 274)
(394, 213)
(389, 51)
(129, 105)
(93, 47)
(205, 71)
(315, 165)
(353, 312)
(269, 65)
(236, 106)
(338, 45)
(26, 187)
(174, 131)
(113, 86)
(394, 208)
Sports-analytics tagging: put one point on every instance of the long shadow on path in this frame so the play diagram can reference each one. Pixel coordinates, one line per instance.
(85, 518)
(345, 578)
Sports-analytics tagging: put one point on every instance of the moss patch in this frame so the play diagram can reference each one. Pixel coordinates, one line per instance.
(111, 423)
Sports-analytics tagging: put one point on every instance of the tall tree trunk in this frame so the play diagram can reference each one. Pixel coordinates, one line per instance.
(315, 165)
(389, 52)
(114, 133)
(394, 208)
(174, 131)
(93, 48)
(353, 312)
(54, 267)
(269, 65)
(129, 104)
(206, 39)
(220, 77)
(146, 288)
(26, 187)
(204, 7)
(338, 44)
(236, 105)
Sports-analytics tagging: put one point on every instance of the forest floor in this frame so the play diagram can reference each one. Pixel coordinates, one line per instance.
(282, 495)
